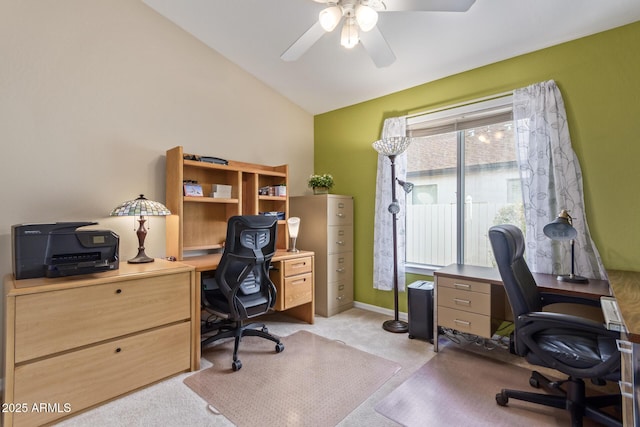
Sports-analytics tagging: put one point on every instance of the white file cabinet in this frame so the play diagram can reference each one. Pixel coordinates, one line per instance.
(326, 227)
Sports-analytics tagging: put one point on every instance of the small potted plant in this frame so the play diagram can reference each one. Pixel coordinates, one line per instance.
(321, 184)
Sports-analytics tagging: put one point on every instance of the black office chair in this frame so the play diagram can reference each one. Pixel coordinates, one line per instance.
(577, 347)
(241, 288)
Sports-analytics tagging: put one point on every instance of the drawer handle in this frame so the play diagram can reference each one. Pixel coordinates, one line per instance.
(462, 322)
(460, 301)
(295, 282)
(340, 270)
(299, 264)
(462, 285)
(339, 242)
(624, 346)
(341, 205)
(341, 288)
(339, 298)
(118, 291)
(340, 215)
(626, 388)
(118, 350)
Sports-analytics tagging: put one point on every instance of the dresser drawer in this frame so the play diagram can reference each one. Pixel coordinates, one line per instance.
(50, 322)
(473, 302)
(340, 267)
(297, 266)
(339, 211)
(339, 239)
(464, 284)
(298, 290)
(94, 374)
(464, 321)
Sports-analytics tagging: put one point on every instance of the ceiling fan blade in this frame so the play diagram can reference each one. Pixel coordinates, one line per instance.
(377, 47)
(428, 5)
(303, 44)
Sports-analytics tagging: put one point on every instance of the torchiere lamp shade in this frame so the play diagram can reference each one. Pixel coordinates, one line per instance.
(141, 207)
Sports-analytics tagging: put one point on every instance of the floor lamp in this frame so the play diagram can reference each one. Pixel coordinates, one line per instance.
(391, 147)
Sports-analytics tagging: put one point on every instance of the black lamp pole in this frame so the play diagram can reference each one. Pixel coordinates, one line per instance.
(395, 325)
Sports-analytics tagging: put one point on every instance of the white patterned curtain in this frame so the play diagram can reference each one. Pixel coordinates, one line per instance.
(551, 181)
(383, 222)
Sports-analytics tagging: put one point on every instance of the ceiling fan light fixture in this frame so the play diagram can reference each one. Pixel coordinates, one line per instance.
(349, 36)
(330, 17)
(366, 17)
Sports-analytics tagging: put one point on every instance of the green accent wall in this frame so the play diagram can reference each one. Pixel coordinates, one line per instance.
(599, 77)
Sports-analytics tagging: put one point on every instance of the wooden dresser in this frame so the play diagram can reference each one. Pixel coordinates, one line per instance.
(74, 342)
(326, 228)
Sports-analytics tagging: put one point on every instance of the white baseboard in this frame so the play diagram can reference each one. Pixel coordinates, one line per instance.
(375, 308)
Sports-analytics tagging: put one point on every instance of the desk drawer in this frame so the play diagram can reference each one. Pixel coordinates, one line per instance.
(297, 266)
(94, 374)
(464, 284)
(464, 321)
(298, 290)
(51, 322)
(473, 302)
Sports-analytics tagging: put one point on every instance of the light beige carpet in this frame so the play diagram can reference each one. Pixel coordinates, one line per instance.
(458, 387)
(315, 381)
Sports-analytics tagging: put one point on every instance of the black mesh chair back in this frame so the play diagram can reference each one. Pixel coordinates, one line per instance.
(241, 288)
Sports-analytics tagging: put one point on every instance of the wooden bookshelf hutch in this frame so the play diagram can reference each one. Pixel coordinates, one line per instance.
(199, 223)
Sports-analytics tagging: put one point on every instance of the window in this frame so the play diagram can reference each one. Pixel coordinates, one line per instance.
(462, 162)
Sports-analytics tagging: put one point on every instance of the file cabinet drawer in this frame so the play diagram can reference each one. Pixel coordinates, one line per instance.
(339, 239)
(340, 267)
(339, 211)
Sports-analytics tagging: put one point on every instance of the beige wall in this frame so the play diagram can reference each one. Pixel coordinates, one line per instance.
(93, 93)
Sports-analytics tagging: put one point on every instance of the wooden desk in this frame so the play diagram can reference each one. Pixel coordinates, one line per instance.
(76, 342)
(626, 289)
(292, 273)
(478, 294)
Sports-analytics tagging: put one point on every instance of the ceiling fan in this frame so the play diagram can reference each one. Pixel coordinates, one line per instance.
(359, 24)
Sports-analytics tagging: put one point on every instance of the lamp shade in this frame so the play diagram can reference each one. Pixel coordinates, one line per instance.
(330, 17)
(293, 225)
(349, 37)
(140, 207)
(561, 228)
(392, 146)
(367, 17)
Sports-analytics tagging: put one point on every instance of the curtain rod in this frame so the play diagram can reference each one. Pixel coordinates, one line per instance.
(461, 104)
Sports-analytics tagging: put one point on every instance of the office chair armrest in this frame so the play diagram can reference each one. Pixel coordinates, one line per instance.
(538, 321)
(555, 298)
(533, 323)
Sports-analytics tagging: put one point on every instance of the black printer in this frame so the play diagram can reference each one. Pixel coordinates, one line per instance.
(59, 249)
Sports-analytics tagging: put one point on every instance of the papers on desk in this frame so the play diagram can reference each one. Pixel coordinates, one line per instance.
(612, 318)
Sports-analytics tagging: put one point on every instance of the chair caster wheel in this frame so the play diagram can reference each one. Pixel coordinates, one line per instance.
(279, 347)
(411, 337)
(265, 329)
(501, 399)
(533, 382)
(237, 364)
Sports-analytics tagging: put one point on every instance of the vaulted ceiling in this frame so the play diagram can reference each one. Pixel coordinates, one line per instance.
(427, 45)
